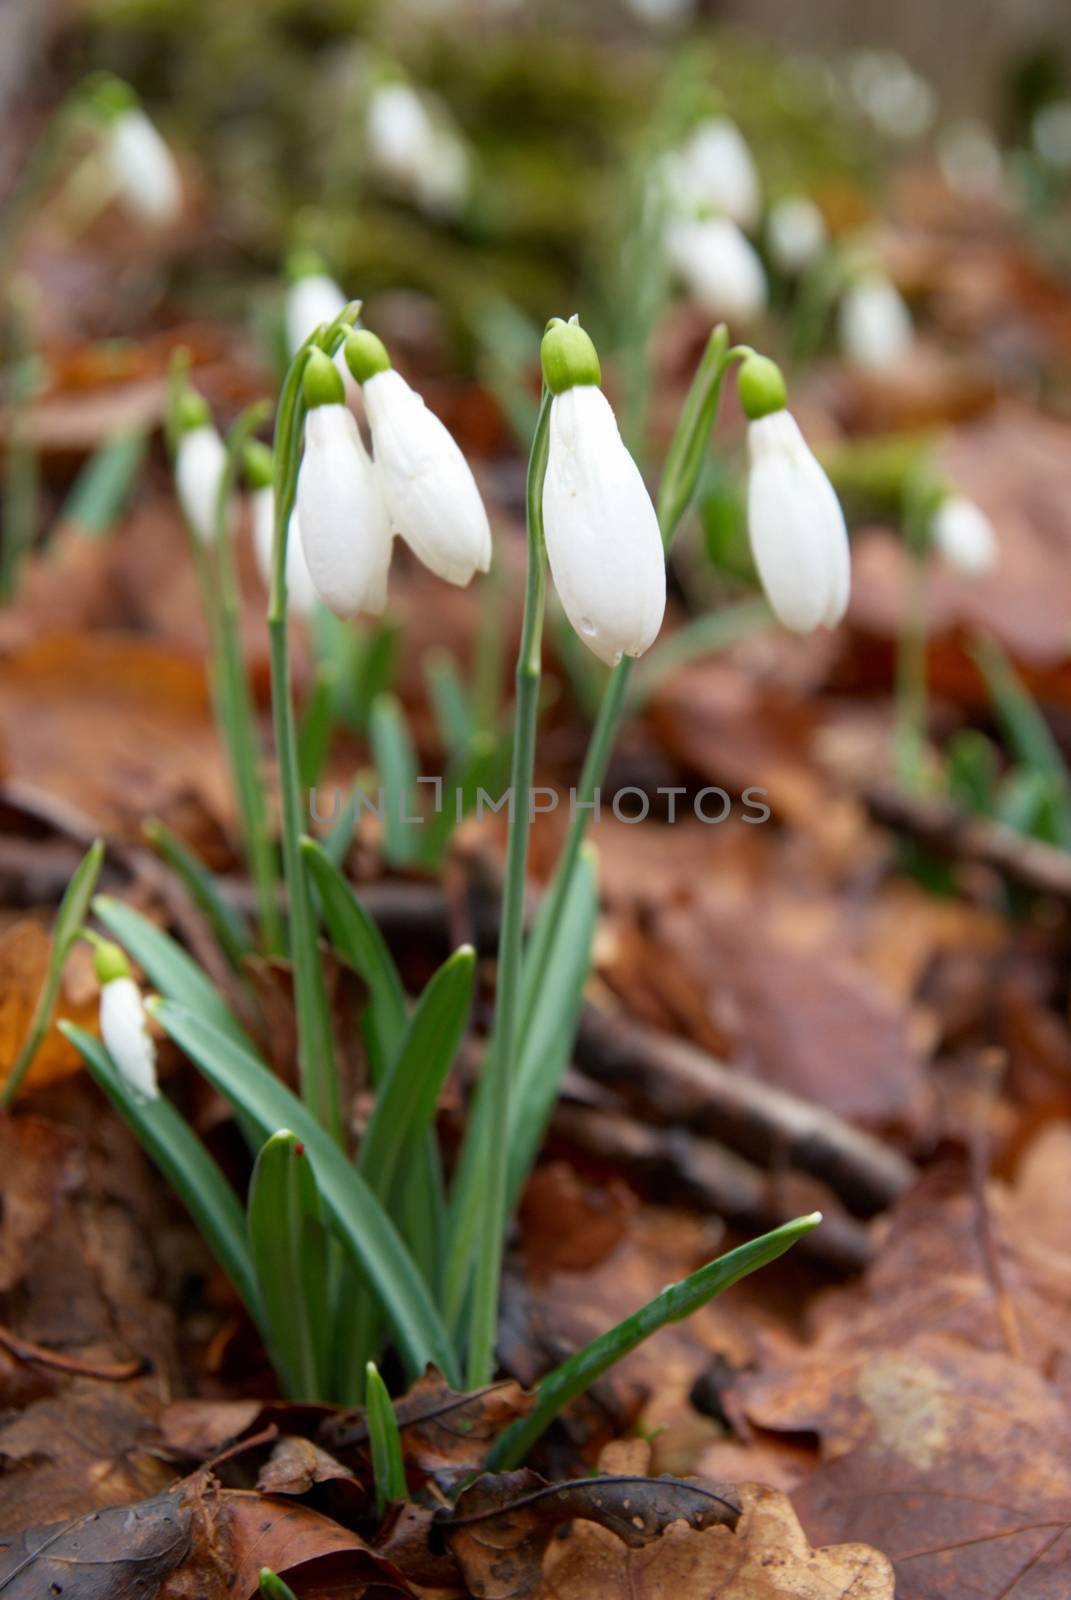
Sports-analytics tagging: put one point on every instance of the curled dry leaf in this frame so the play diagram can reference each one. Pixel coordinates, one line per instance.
(767, 1558)
(500, 1527)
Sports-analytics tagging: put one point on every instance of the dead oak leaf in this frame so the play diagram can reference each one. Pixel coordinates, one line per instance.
(441, 1429)
(767, 1558)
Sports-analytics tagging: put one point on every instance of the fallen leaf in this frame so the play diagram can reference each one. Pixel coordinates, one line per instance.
(441, 1429)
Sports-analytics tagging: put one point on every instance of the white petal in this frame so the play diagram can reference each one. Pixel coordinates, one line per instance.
(126, 1036)
(431, 494)
(722, 173)
(144, 168)
(874, 324)
(200, 463)
(400, 133)
(310, 301)
(965, 537)
(300, 589)
(719, 267)
(796, 233)
(603, 543)
(343, 521)
(798, 536)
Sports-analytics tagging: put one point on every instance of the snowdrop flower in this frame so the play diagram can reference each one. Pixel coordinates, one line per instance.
(719, 267)
(874, 324)
(142, 167)
(889, 91)
(602, 536)
(300, 589)
(430, 492)
(719, 173)
(417, 153)
(122, 1021)
(796, 233)
(965, 536)
(798, 537)
(200, 462)
(341, 513)
(312, 298)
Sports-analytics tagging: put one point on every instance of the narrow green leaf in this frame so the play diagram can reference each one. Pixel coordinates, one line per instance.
(169, 1141)
(376, 669)
(171, 970)
(73, 909)
(1025, 728)
(288, 1245)
(388, 1467)
(338, 840)
(392, 747)
(674, 1303)
(354, 1213)
(228, 924)
(272, 1586)
(317, 726)
(449, 701)
(359, 942)
(105, 483)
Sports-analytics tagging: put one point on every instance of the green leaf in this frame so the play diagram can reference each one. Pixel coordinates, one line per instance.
(1026, 729)
(691, 438)
(317, 726)
(288, 1245)
(170, 969)
(272, 1586)
(674, 1303)
(228, 924)
(388, 1467)
(169, 1141)
(376, 669)
(353, 1211)
(973, 766)
(392, 747)
(105, 483)
(73, 909)
(359, 942)
(449, 700)
(338, 840)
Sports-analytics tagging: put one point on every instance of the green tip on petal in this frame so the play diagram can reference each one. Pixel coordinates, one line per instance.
(191, 411)
(321, 382)
(259, 464)
(108, 97)
(366, 355)
(109, 962)
(568, 356)
(761, 387)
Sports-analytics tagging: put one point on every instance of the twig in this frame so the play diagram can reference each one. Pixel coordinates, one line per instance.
(38, 1355)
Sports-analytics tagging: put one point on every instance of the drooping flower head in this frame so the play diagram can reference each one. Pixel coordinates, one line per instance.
(716, 172)
(300, 589)
(122, 1021)
(603, 542)
(964, 535)
(718, 266)
(873, 322)
(200, 463)
(430, 492)
(414, 148)
(312, 298)
(796, 233)
(796, 525)
(341, 513)
(142, 167)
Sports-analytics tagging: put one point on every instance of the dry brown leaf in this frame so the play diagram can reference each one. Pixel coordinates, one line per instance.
(25, 950)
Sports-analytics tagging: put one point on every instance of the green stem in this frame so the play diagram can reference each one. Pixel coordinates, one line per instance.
(503, 1048)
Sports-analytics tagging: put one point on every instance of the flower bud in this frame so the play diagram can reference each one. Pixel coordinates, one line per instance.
(965, 536)
(718, 173)
(874, 324)
(200, 463)
(718, 267)
(601, 531)
(321, 381)
(416, 152)
(761, 387)
(795, 233)
(798, 536)
(301, 592)
(312, 299)
(431, 495)
(123, 1026)
(341, 514)
(142, 167)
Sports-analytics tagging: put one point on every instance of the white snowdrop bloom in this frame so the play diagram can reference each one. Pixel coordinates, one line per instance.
(719, 172)
(719, 267)
(873, 323)
(796, 233)
(311, 299)
(342, 517)
(889, 91)
(300, 589)
(143, 168)
(125, 1032)
(602, 536)
(431, 495)
(200, 462)
(965, 536)
(415, 151)
(795, 522)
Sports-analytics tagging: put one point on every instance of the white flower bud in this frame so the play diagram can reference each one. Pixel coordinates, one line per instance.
(798, 537)
(300, 589)
(965, 537)
(719, 267)
(796, 233)
(603, 542)
(310, 300)
(431, 494)
(418, 154)
(719, 173)
(341, 515)
(200, 462)
(126, 1036)
(874, 324)
(143, 167)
